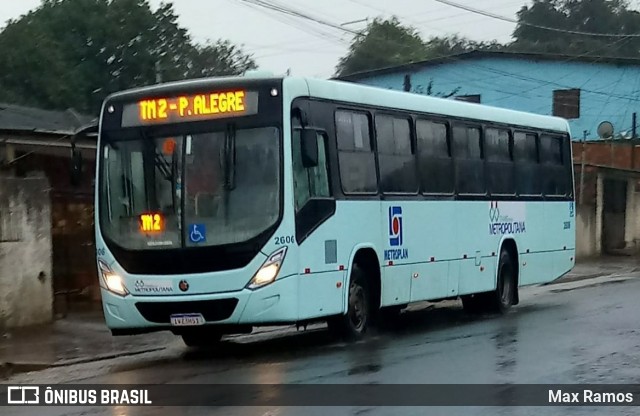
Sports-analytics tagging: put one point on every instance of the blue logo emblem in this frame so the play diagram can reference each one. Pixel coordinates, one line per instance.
(197, 233)
(395, 226)
(571, 208)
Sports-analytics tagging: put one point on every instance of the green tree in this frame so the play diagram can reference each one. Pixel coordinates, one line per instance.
(594, 16)
(219, 58)
(388, 43)
(383, 43)
(72, 53)
(452, 45)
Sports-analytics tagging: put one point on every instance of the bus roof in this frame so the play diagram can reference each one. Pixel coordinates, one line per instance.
(393, 99)
(349, 92)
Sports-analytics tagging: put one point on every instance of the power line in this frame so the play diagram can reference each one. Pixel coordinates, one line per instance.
(271, 5)
(292, 12)
(286, 17)
(554, 29)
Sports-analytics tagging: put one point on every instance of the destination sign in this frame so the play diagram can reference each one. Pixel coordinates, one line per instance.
(151, 223)
(194, 107)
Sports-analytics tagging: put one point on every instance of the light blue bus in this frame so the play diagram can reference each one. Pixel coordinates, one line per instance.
(224, 204)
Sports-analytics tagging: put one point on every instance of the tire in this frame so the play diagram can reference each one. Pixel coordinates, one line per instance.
(388, 318)
(474, 304)
(354, 324)
(202, 339)
(501, 299)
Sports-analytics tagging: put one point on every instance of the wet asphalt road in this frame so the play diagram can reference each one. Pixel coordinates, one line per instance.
(558, 334)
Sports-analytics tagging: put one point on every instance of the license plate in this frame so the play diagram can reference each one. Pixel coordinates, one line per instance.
(189, 319)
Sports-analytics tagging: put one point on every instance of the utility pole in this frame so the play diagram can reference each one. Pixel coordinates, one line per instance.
(158, 73)
(633, 140)
(584, 142)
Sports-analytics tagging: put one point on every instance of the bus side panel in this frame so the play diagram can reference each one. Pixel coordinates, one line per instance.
(474, 250)
(428, 230)
(565, 213)
(533, 246)
(402, 229)
(322, 291)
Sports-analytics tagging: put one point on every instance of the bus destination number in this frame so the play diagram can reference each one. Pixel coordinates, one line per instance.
(192, 106)
(150, 223)
(289, 239)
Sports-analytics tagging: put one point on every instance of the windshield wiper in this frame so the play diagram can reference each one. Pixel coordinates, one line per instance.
(230, 158)
(163, 165)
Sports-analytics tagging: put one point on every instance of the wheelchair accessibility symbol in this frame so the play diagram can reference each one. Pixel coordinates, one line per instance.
(198, 233)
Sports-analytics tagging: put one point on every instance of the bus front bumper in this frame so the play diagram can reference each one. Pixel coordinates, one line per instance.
(272, 304)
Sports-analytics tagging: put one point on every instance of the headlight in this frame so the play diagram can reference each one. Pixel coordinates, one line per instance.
(269, 270)
(111, 280)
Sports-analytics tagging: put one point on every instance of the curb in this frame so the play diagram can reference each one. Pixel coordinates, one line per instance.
(576, 278)
(8, 369)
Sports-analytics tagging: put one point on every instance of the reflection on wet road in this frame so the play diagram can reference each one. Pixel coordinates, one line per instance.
(585, 335)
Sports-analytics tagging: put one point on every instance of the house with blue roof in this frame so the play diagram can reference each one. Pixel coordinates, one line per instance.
(585, 90)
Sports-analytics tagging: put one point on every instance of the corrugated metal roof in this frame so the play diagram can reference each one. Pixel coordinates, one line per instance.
(479, 54)
(27, 119)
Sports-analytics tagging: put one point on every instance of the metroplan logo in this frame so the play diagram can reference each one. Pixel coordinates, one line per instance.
(507, 218)
(395, 226)
(396, 236)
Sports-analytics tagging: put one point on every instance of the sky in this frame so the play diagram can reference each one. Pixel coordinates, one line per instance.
(280, 43)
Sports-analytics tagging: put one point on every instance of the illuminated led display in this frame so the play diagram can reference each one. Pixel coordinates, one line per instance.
(190, 108)
(151, 223)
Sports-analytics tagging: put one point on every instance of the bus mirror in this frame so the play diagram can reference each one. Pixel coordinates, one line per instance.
(309, 147)
(76, 167)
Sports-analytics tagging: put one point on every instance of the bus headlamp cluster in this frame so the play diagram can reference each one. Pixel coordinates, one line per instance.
(111, 281)
(269, 270)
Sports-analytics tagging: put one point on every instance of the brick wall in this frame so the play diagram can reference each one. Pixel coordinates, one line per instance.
(26, 295)
(614, 154)
(74, 270)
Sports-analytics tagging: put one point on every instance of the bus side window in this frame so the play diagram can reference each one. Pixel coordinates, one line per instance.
(525, 155)
(356, 159)
(553, 172)
(468, 160)
(500, 179)
(309, 182)
(395, 154)
(434, 158)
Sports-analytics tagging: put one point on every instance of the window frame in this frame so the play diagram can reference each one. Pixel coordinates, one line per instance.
(489, 164)
(536, 134)
(447, 123)
(412, 144)
(562, 103)
(479, 126)
(547, 167)
(323, 138)
(372, 141)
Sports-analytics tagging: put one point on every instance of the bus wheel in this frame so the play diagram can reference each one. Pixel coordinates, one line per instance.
(389, 317)
(354, 323)
(503, 297)
(202, 339)
(474, 304)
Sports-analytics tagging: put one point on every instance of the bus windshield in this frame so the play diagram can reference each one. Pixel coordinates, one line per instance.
(212, 189)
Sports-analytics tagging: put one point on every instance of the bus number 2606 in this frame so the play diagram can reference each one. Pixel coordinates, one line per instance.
(289, 239)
